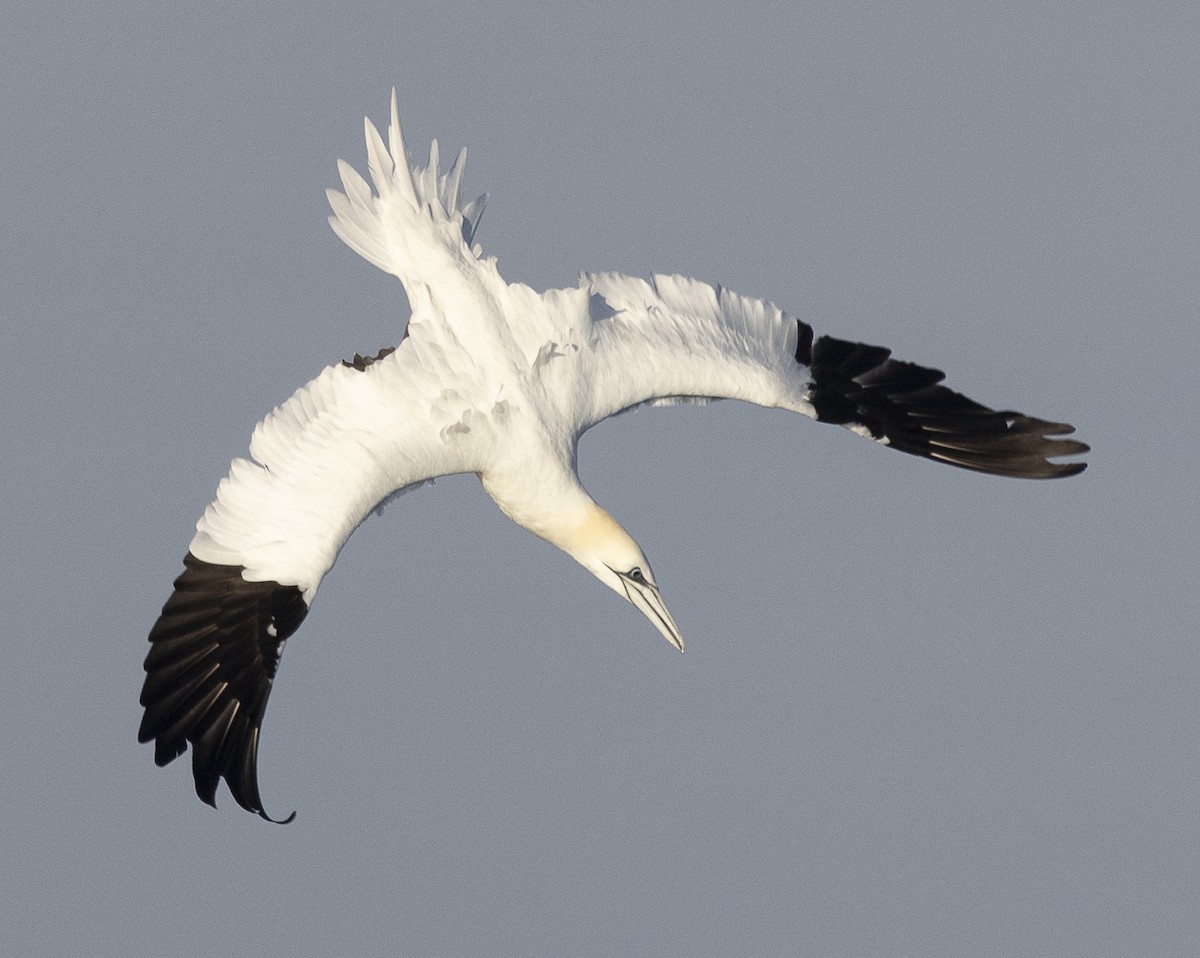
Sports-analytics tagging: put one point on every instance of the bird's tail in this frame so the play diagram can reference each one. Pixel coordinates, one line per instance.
(414, 210)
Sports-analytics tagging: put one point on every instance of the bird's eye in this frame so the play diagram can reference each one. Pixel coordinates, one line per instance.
(636, 574)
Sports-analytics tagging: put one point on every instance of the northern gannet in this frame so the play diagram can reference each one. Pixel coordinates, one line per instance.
(498, 380)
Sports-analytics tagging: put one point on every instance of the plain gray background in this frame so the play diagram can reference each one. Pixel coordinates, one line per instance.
(922, 712)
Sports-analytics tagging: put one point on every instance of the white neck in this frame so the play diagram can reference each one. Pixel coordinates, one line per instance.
(569, 518)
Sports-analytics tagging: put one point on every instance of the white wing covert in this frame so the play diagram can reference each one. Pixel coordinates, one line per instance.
(675, 338)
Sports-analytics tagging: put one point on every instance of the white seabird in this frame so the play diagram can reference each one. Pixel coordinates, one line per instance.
(499, 380)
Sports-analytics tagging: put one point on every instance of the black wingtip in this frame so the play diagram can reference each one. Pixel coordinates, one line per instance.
(210, 798)
(904, 406)
(213, 656)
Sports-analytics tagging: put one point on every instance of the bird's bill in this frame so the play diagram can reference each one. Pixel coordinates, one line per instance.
(645, 599)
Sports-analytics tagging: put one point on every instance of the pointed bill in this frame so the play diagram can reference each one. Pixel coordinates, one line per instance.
(645, 599)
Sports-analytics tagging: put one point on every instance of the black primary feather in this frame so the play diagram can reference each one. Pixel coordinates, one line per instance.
(213, 656)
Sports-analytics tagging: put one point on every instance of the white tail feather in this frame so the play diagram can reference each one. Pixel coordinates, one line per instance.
(407, 213)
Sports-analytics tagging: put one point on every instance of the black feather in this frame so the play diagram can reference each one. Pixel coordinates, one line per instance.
(213, 656)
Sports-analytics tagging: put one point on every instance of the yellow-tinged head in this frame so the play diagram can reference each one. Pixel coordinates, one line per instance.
(598, 543)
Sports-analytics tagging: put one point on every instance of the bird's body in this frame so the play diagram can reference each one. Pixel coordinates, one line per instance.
(499, 380)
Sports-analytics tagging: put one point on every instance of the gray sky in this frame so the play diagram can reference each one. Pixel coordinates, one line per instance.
(922, 712)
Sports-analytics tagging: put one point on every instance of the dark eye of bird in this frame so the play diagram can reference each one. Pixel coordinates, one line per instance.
(636, 574)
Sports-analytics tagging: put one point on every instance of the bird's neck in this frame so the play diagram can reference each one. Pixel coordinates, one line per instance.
(562, 514)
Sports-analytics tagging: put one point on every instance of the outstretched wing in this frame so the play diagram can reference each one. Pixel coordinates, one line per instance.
(319, 464)
(675, 339)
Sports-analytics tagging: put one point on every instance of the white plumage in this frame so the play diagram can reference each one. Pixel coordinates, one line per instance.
(499, 380)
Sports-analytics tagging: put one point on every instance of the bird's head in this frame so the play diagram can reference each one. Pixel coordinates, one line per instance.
(611, 555)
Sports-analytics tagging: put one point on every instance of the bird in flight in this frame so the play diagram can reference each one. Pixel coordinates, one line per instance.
(497, 379)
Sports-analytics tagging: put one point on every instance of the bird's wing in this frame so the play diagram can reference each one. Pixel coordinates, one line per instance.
(675, 338)
(342, 444)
